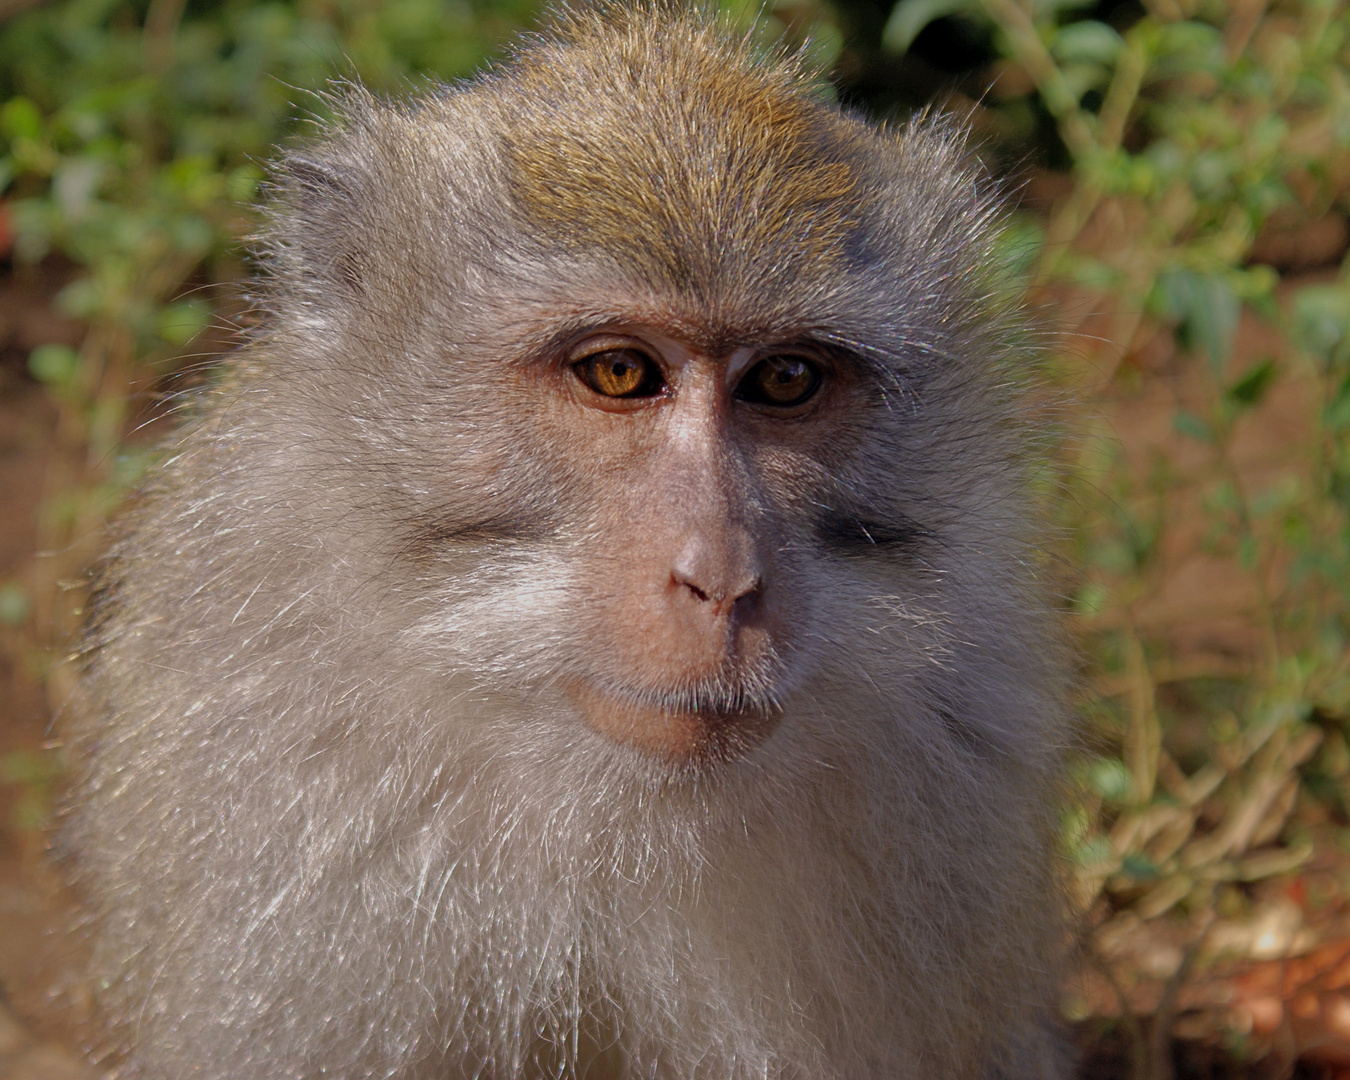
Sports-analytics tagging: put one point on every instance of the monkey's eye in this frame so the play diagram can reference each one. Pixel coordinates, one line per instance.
(621, 373)
(782, 381)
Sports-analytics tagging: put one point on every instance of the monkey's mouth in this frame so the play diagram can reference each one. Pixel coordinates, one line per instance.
(679, 726)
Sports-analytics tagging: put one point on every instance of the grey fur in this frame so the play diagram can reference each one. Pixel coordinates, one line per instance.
(335, 816)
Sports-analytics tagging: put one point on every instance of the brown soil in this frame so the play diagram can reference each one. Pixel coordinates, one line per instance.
(42, 999)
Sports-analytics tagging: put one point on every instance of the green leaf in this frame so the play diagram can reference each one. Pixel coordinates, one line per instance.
(1078, 79)
(82, 298)
(1192, 44)
(909, 17)
(75, 185)
(1187, 423)
(242, 184)
(1252, 385)
(1097, 853)
(1110, 779)
(180, 322)
(1140, 867)
(129, 466)
(1337, 416)
(55, 365)
(1087, 42)
(1321, 317)
(192, 234)
(1206, 306)
(1090, 599)
(1020, 242)
(14, 604)
(1046, 11)
(20, 119)
(29, 767)
(1248, 551)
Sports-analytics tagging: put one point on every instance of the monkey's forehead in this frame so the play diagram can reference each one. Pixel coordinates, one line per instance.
(648, 149)
(679, 148)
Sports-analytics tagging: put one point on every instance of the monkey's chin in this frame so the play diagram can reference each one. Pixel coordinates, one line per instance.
(671, 734)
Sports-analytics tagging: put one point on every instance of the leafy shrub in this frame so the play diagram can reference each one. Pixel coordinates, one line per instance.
(1195, 250)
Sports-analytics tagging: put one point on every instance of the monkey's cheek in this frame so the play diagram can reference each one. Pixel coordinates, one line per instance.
(676, 736)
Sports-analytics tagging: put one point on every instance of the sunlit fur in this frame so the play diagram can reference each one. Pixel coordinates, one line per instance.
(336, 814)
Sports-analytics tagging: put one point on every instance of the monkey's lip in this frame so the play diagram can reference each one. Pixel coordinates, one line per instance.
(669, 732)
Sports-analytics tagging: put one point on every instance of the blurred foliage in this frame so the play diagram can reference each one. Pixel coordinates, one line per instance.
(1189, 164)
(1196, 243)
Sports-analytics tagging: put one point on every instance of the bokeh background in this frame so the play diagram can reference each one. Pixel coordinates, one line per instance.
(1178, 180)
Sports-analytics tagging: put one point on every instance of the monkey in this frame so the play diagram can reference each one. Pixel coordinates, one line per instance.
(592, 628)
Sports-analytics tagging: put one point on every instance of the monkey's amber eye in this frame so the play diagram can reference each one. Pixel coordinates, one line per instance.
(621, 373)
(783, 381)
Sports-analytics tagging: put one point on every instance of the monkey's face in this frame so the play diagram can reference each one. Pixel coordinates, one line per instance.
(683, 461)
(686, 619)
(654, 523)
(662, 393)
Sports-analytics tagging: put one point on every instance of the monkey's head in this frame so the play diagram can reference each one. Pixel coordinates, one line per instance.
(658, 386)
(593, 621)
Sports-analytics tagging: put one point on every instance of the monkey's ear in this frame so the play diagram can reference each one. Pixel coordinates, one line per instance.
(317, 225)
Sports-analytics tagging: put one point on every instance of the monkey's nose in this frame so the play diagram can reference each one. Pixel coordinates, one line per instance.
(722, 583)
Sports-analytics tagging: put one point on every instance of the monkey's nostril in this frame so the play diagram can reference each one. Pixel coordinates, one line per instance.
(723, 601)
(682, 581)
